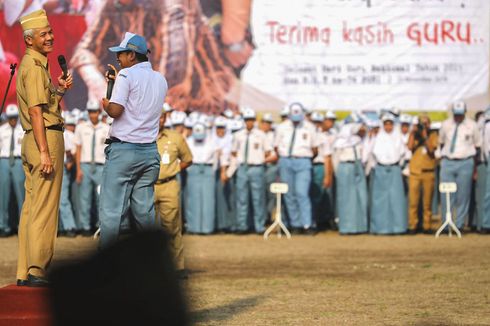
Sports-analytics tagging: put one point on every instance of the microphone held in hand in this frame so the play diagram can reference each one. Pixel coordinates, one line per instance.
(110, 83)
(64, 68)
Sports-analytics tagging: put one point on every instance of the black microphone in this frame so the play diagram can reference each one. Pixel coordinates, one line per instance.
(62, 62)
(110, 83)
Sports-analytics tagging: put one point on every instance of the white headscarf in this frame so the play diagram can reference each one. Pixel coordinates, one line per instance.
(388, 148)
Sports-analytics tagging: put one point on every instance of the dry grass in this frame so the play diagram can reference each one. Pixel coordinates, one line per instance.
(324, 280)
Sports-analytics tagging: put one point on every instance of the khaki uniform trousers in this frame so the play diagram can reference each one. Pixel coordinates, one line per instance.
(417, 184)
(167, 208)
(39, 218)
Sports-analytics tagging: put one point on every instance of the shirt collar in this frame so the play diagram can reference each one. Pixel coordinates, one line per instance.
(36, 55)
(143, 65)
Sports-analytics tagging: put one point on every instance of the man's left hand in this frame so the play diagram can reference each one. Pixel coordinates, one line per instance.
(65, 83)
(105, 103)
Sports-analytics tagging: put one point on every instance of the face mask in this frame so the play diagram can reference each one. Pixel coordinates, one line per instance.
(296, 117)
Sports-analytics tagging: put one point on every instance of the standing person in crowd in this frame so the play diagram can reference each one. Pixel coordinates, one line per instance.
(284, 114)
(177, 119)
(271, 168)
(11, 173)
(479, 180)
(89, 139)
(132, 160)
(252, 149)
(322, 180)
(225, 208)
(67, 226)
(423, 144)
(484, 225)
(296, 145)
(351, 190)
(42, 150)
(460, 140)
(175, 158)
(200, 198)
(388, 211)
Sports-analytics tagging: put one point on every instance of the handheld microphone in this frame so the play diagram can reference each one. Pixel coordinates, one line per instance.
(110, 83)
(62, 63)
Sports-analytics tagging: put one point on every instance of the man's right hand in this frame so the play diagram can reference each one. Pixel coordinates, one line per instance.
(79, 176)
(46, 164)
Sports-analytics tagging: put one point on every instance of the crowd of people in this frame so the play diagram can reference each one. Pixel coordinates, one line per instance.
(371, 172)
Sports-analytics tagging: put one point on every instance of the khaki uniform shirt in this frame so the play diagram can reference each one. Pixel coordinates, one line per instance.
(421, 160)
(173, 149)
(34, 88)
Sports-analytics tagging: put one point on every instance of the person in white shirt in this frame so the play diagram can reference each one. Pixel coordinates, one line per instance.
(271, 168)
(200, 201)
(322, 180)
(460, 140)
(252, 149)
(67, 225)
(132, 159)
(351, 188)
(296, 146)
(90, 144)
(225, 188)
(11, 171)
(388, 210)
(484, 223)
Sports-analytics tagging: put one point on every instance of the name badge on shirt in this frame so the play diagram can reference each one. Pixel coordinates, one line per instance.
(424, 150)
(165, 158)
(305, 136)
(256, 146)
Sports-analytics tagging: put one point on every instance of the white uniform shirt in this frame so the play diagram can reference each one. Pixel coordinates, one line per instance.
(224, 145)
(203, 152)
(304, 140)
(348, 145)
(69, 138)
(258, 146)
(389, 148)
(468, 138)
(325, 148)
(5, 139)
(83, 137)
(141, 91)
(486, 140)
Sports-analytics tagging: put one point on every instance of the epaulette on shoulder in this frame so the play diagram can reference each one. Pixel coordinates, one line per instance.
(123, 75)
(37, 62)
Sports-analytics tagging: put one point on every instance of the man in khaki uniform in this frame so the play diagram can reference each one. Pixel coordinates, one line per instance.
(175, 157)
(422, 173)
(42, 150)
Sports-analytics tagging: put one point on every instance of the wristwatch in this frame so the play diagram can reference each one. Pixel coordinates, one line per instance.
(235, 47)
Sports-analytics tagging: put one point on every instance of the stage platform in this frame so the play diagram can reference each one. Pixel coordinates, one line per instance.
(24, 306)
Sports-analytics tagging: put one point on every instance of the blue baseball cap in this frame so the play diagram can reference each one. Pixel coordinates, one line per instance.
(131, 42)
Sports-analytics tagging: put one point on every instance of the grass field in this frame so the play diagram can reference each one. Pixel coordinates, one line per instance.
(323, 280)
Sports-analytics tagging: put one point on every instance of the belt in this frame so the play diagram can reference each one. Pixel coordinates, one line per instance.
(111, 140)
(428, 170)
(457, 159)
(55, 128)
(348, 162)
(252, 165)
(394, 164)
(318, 163)
(162, 181)
(8, 158)
(202, 164)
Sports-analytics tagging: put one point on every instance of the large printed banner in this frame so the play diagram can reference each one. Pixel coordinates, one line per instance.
(335, 54)
(370, 54)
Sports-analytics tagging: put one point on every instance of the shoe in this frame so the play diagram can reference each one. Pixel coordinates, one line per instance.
(70, 234)
(86, 233)
(484, 231)
(36, 281)
(5, 234)
(309, 231)
(242, 232)
(182, 274)
(296, 231)
(22, 282)
(428, 231)
(412, 232)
